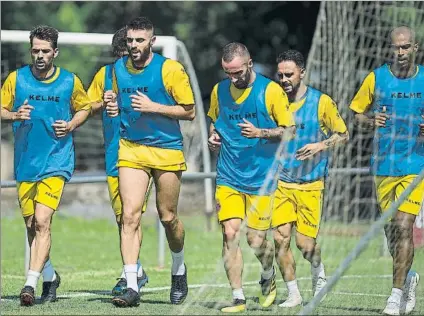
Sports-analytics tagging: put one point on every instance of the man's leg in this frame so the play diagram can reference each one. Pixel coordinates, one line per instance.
(168, 185)
(115, 198)
(132, 188)
(233, 262)
(284, 217)
(399, 233)
(258, 217)
(40, 250)
(287, 264)
(309, 205)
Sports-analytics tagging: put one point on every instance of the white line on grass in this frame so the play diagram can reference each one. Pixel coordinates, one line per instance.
(226, 285)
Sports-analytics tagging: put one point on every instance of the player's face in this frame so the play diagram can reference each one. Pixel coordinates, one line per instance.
(289, 76)
(403, 49)
(139, 44)
(239, 71)
(43, 54)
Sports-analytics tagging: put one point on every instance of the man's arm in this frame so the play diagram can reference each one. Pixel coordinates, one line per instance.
(281, 132)
(95, 91)
(7, 115)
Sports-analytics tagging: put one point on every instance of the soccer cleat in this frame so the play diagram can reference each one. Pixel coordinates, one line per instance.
(238, 306)
(49, 290)
(293, 300)
(407, 303)
(268, 291)
(121, 286)
(317, 285)
(392, 308)
(27, 296)
(130, 298)
(179, 287)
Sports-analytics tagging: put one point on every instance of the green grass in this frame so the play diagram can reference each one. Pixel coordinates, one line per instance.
(86, 254)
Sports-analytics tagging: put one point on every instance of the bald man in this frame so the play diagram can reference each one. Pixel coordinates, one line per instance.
(250, 117)
(390, 101)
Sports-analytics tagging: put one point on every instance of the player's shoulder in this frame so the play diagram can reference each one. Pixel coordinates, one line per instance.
(173, 65)
(272, 87)
(12, 75)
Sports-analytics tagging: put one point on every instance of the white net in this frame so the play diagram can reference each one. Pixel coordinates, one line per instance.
(351, 39)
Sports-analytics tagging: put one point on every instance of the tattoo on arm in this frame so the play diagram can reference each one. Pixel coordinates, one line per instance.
(279, 132)
(336, 139)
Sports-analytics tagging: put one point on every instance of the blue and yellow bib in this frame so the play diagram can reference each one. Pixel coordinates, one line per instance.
(146, 128)
(110, 130)
(39, 153)
(398, 151)
(308, 131)
(244, 163)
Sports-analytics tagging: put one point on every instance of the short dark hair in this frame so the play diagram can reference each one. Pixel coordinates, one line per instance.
(234, 49)
(119, 42)
(292, 55)
(140, 23)
(45, 33)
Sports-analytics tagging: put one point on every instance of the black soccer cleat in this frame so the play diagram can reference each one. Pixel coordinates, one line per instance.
(27, 296)
(130, 298)
(49, 290)
(179, 288)
(121, 286)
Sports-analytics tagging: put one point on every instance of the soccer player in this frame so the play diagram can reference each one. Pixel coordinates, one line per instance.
(101, 83)
(249, 118)
(154, 94)
(390, 101)
(39, 99)
(298, 199)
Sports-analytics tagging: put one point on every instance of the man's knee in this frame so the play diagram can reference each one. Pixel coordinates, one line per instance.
(306, 245)
(255, 238)
(169, 220)
(282, 238)
(230, 232)
(42, 223)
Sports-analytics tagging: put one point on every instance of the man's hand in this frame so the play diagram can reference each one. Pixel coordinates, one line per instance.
(110, 103)
(214, 142)
(309, 150)
(61, 128)
(381, 118)
(142, 103)
(249, 130)
(24, 112)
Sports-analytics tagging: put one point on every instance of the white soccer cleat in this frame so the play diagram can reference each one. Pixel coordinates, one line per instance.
(392, 308)
(317, 286)
(407, 303)
(292, 300)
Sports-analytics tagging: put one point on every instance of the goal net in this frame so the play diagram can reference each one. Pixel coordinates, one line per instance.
(351, 39)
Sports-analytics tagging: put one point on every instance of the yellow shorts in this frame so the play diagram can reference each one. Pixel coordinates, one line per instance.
(231, 203)
(137, 156)
(300, 206)
(115, 198)
(390, 188)
(47, 192)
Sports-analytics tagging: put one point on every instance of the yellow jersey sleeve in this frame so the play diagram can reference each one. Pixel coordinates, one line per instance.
(365, 95)
(177, 82)
(277, 105)
(79, 99)
(96, 89)
(8, 91)
(213, 107)
(329, 116)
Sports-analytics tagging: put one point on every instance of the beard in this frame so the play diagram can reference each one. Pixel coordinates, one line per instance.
(141, 56)
(243, 83)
